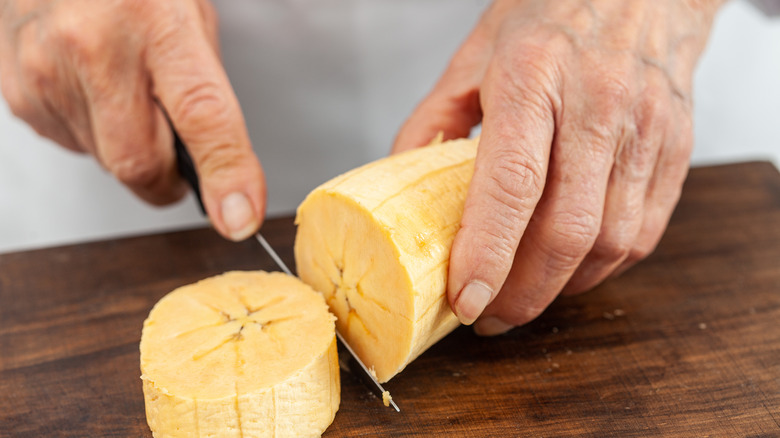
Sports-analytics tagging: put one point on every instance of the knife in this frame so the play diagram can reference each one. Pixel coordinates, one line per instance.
(186, 168)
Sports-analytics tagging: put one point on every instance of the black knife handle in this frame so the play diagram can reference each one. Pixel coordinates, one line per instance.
(187, 167)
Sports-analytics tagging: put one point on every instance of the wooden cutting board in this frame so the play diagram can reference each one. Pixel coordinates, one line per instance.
(685, 344)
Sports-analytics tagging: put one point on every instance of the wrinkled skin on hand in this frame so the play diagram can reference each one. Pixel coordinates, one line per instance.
(96, 75)
(586, 137)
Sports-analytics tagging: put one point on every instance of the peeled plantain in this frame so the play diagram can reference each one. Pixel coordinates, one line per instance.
(376, 242)
(243, 354)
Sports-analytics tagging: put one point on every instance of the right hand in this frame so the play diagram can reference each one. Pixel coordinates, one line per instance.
(98, 76)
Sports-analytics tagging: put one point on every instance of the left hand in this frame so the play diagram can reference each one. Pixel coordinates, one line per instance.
(586, 137)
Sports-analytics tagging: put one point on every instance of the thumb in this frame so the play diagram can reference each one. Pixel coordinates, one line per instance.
(193, 88)
(452, 108)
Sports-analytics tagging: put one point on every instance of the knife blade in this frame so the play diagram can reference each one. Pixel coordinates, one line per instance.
(186, 168)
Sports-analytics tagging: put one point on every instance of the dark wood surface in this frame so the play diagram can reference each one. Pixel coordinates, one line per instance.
(686, 344)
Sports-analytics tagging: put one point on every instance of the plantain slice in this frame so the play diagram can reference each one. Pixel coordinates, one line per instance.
(243, 354)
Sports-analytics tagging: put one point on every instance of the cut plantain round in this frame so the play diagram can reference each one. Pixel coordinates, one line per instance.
(376, 242)
(243, 354)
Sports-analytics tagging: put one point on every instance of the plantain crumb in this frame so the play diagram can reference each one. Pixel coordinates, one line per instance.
(386, 398)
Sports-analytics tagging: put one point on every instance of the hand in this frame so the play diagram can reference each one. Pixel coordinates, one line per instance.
(97, 76)
(586, 137)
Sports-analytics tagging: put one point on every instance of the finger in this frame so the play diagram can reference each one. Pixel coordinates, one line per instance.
(24, 105)
(508, 180)
(194, 89)
(452, 108)
(621, 222)
(665, 186)
(30, 84)
(624, 209)
(568, 218)
(106, 96)
(132, 137)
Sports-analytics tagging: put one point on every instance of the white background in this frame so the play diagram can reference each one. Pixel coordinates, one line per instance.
(325, 85)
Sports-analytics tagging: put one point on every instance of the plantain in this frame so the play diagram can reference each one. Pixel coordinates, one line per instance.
(243, 354)
(375, 242)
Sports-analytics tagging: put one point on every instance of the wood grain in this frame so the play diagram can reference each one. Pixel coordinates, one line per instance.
(686, 344)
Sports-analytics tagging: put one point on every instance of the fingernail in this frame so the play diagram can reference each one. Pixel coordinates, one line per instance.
(472, 301)
(491, 326)
(238, 216)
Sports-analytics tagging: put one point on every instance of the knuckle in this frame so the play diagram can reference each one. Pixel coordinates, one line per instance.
(513, 177)
(654, 109)
(609, 102)
(530, 71)
(514, 186)
(36, 70)
(613, 90)
(221, 158)
(202, 105)
(537, 60)
(81, 41)
(602, 137)
(31, 61)
(612, 246)
(572, 234)
(609, 80)
(644, 246)
(636, 161)
(139, 170)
